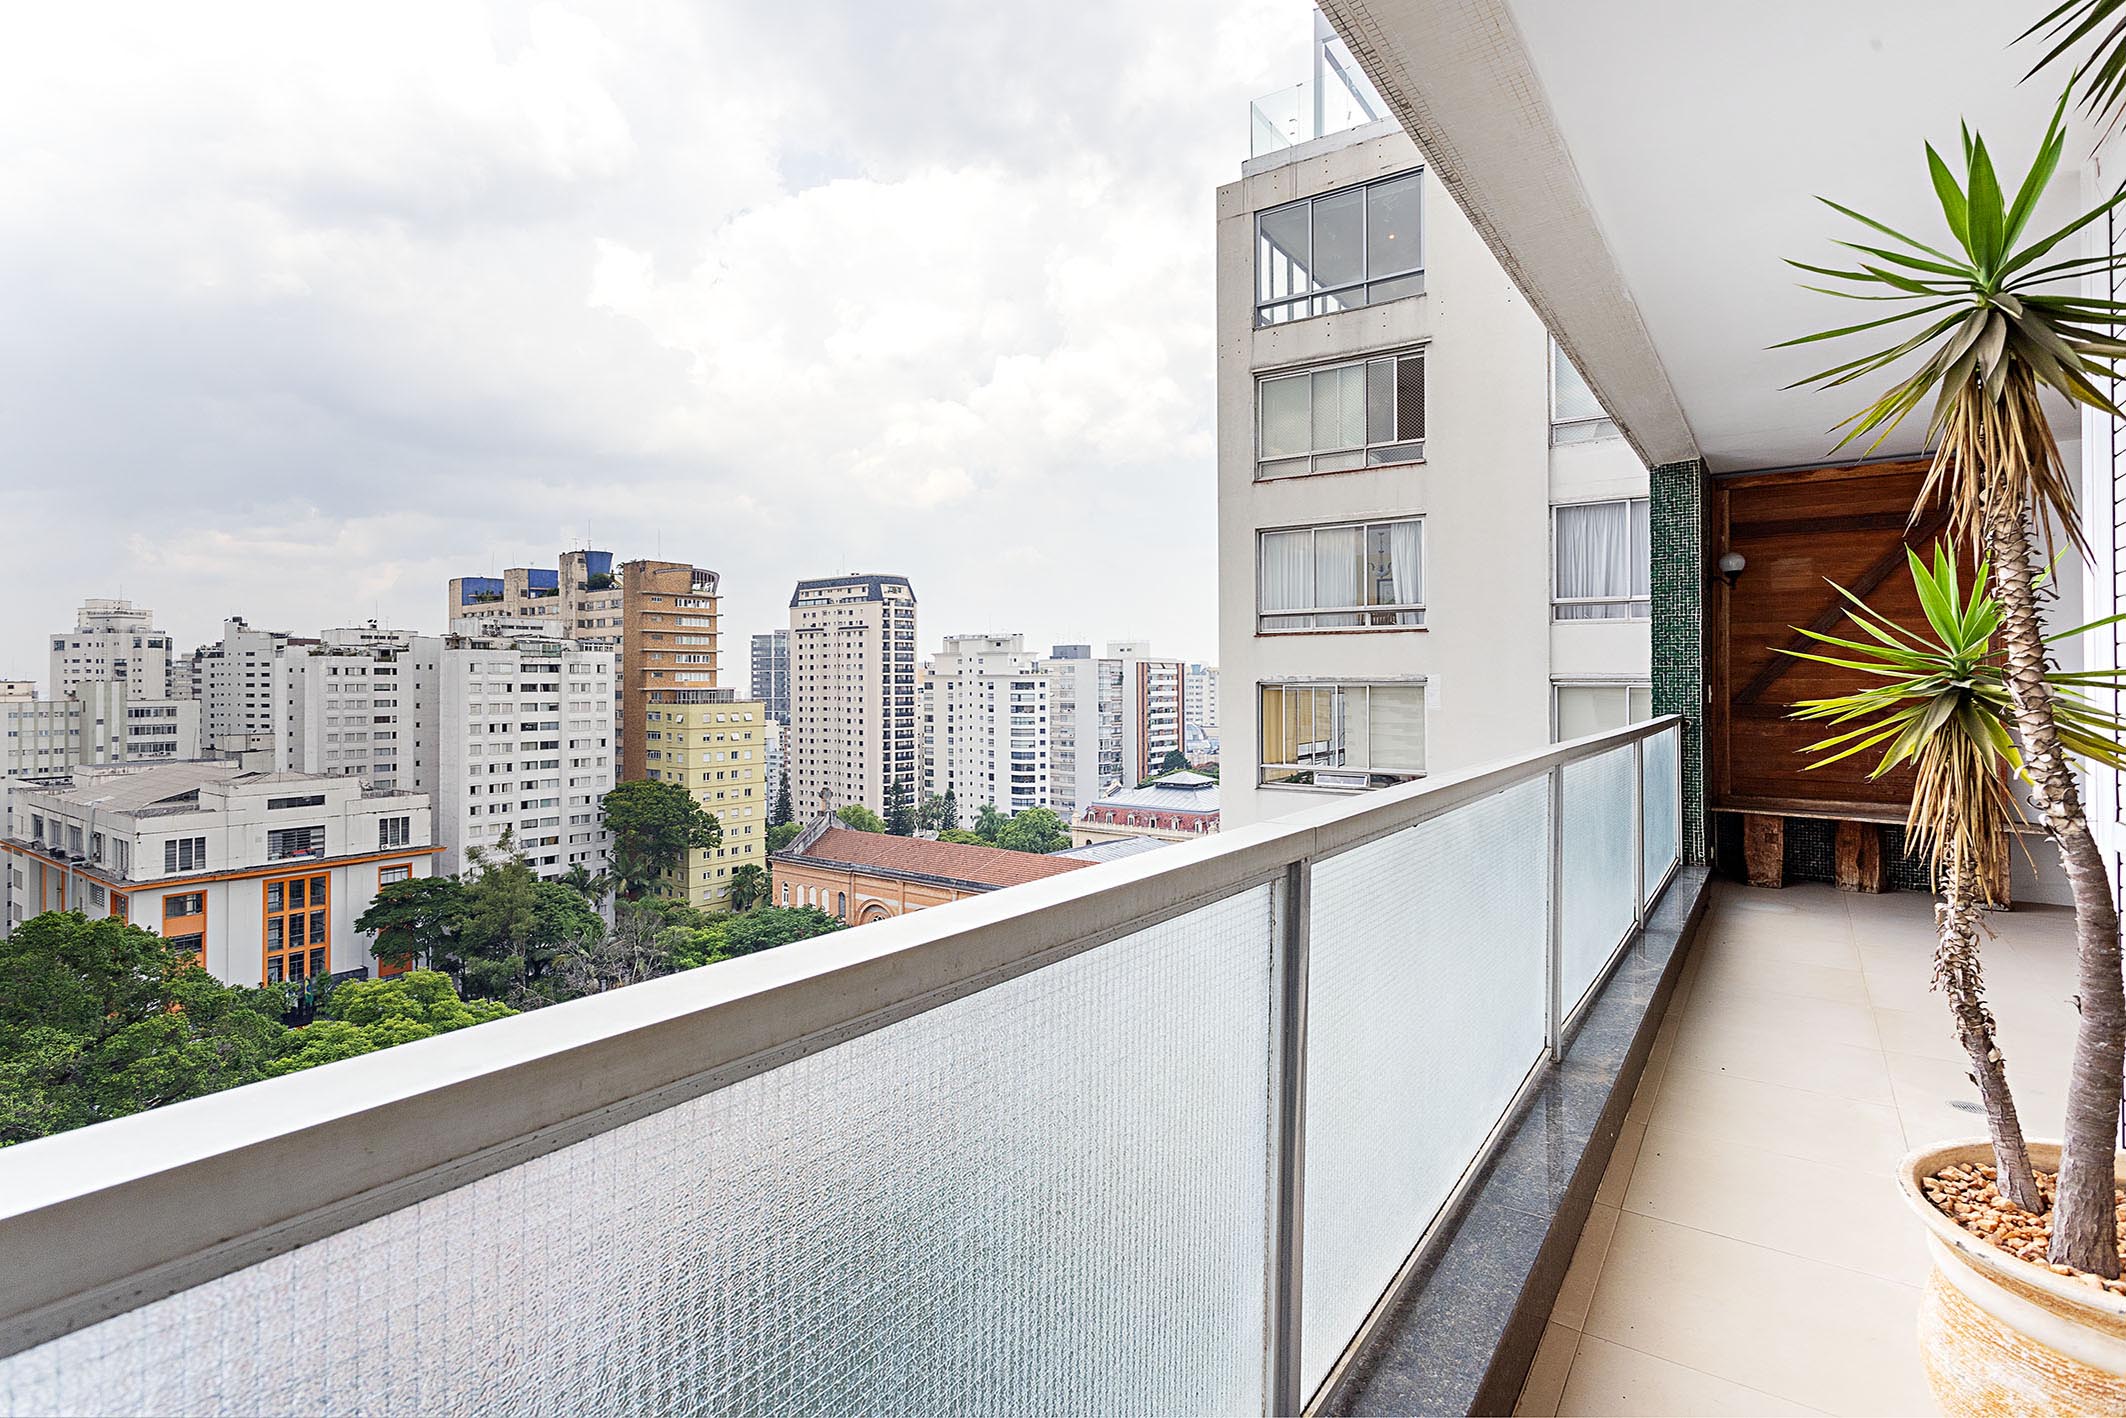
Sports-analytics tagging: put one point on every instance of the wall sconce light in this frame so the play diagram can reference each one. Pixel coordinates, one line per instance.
(1732, 564)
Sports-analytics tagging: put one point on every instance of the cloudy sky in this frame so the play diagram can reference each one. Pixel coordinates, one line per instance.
(310, 307)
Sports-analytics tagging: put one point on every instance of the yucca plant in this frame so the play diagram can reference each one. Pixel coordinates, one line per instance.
(1940, 703)
(2001, 322)
(2101, 76)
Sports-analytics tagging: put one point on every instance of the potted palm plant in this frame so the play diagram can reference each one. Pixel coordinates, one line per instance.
(2000, 320)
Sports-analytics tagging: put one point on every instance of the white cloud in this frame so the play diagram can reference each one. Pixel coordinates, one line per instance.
(329, 307)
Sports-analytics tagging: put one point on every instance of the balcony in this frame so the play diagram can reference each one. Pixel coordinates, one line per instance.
(1338, 97)
(1749, 1215)
(1174, 1134)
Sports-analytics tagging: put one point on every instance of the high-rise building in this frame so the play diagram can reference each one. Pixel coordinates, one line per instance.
(669, 640)
(100, 721)
(579, 600)
(771, 673)
(986, 725)
(1433, 545)
(715, 745)
(112, 640)
(1114, 717)
(853, 717)
(348, 708)
(234, 681)
(1199, 701)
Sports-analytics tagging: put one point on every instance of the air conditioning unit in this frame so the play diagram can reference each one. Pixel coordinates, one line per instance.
(1326, 778)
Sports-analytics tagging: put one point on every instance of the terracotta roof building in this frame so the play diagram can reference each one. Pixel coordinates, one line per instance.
(860, 877)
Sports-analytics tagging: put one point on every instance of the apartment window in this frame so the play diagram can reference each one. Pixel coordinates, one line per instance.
(306, 800)
(1575, 416)
(394, 831)
(1366, 414)
(298, 942)
(188, 903)
(1343, 734)
(284, 842)
(1602, 561)
(1580, 708)
(1339, 251)
(184, 854)
(387, 875)
(1341, 577)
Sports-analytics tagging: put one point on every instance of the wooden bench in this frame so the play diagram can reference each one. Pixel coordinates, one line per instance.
(1856, 858)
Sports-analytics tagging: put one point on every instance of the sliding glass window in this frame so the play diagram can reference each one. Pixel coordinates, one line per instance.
(1340, 251)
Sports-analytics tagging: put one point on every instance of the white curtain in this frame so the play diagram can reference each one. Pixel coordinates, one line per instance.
(1340, 573)
(1594, 558)
(1287, 578)
(1406, 568)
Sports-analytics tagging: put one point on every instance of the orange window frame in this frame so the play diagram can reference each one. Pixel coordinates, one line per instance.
(295, 927)
(390, 965)
(174, 925)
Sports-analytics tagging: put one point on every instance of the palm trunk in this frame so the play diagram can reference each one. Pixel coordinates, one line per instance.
(2084, 1221)
(1957, 972)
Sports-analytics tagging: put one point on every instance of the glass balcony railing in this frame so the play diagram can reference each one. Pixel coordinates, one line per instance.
(1037, 1151)
(1337, 98)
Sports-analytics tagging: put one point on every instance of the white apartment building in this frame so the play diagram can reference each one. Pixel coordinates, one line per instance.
(348, 707)
(262, 875)
(854, 726)
(1199, 700)
(985, 719)
(1114, 719)
(1432, 545)
(236, 681)
(514, 737)
(101, 721)
(112, 639)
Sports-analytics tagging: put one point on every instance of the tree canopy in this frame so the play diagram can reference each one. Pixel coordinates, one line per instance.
(900, 809)
(782, 834)
(362, 1016)
(653, 824)
(1037, 829)
(989, 822)
(861, 818)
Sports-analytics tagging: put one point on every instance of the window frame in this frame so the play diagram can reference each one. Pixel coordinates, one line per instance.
(1368, 450)
(1587, 429)
(1315, 297)
(1342, 687)
(1557, 600)
(1627, 684)
(1365, 528)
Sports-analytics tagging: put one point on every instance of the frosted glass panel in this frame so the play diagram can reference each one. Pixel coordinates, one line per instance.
(1598, 907)
(1662, 844)
(1046, 1197)
(1425, 1013)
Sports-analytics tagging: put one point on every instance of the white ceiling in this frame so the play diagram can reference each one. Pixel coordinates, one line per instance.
(1701, 132)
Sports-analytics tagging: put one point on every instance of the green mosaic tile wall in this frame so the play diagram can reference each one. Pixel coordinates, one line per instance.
(1679, 542)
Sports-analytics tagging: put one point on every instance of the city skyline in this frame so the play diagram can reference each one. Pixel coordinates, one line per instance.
(639, 279)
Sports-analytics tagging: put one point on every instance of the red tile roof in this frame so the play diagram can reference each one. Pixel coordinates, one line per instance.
(922, 856)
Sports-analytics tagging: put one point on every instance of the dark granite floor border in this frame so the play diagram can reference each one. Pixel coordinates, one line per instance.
(1461, 1335)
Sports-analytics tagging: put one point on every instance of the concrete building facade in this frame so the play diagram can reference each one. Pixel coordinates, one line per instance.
(100, 721)
(578, 600)
(1115, 718)
(854, 720)
(235, 680)
(1432, 546)
(112, 639)
(771, 673)
(1177, 808)
(669, 641)
(715, 744)
(986, 726)
(261, 875)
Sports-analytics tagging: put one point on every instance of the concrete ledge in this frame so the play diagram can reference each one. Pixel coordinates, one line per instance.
(1461, 1335)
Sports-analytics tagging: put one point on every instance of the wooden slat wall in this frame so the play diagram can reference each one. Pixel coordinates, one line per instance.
(1796, 529)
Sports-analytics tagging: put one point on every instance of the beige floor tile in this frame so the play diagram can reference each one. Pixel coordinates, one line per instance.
(1814, 1334)
(1937, 1101)
(1642, 1098)
(1783, 977)
(1778, 1056)
(1817, 1127)
(1836, 951)
(1545, 1383)
(1843, 1216)
(1617, 1175)
(1809, 1021)
(1925, 1032)
(1611, 1379)
(1577, 1290)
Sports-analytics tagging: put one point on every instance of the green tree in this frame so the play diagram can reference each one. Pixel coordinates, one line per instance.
(949, 813)
(771, 926)
(420, 919)
(362, 1016)
(749, 886)
(900, 811)
(861, 818)
(782, 834)
(517, 925)
(781, 813)
(653, 824)
(965, 839)
(592, 886)
(1174, 762)
(930, 813)
(2001, 324)
(1037, 829)
(99, 1019)
(988, 823)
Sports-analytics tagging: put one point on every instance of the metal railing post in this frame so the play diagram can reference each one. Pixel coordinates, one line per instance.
(1288, 1142)
(1638, 833)
(1554, 955)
